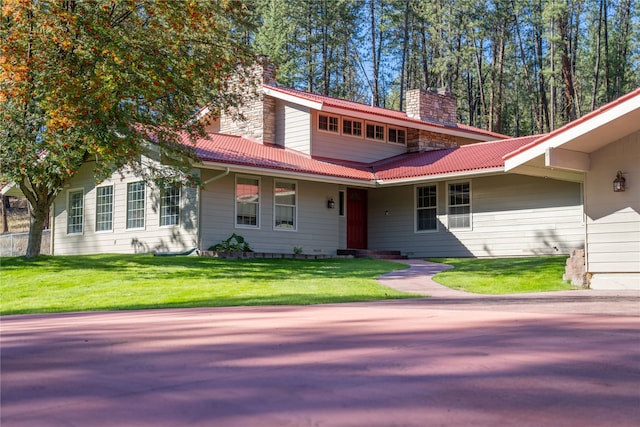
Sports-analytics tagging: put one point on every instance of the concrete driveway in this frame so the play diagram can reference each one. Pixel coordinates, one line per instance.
(451, 360)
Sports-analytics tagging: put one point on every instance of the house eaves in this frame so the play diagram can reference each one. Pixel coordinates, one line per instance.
(246, 156)
(289, 174)
(452, 176)
(565, 152)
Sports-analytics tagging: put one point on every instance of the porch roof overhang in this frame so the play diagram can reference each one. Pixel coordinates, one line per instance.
(566, 152)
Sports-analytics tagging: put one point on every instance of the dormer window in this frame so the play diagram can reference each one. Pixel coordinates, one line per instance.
(397, 136)
(328, 123)
(375, 131)
(352, 127)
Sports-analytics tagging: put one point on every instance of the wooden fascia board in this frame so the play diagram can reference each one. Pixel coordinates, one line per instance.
(452, 176)
(293, 99)
(287, 174)
(545, 172)
(567, 159)
(573, 131)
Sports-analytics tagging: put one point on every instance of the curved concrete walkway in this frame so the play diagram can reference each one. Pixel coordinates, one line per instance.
(419, 279)
(450, 360)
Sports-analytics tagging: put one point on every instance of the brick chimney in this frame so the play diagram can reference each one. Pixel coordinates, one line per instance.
(255, 118)
(434, 107)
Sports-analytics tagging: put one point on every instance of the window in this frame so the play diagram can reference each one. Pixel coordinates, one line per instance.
(75, 212)
(397, 136)
(352, 127)
(247, 202)
(460, 205)
(170, 206)
(135, 205)
(341, 203)
(285, 205)
(328, 123)
(104, 208)
(426, 208)
(375, 131)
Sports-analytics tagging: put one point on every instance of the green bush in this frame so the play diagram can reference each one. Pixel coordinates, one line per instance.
(234, 243)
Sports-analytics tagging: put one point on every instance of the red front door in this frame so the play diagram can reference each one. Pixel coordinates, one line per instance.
(356, 218)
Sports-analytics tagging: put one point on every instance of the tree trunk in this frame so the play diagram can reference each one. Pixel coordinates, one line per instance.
(596, 71)
(374, 57)
(4, 206)
(569, 111)
(405, 43)
(38, 219)
(40, 200)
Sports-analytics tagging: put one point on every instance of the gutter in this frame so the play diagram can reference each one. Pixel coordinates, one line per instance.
(217, 177)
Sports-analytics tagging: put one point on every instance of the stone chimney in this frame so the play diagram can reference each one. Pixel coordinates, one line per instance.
(434, 107)
(255, 117)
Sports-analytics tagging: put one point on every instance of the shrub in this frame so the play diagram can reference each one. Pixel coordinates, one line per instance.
(234, 243)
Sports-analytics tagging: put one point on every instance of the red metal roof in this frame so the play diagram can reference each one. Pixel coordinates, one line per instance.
(236, 150)
(467, 158)
(378, 111)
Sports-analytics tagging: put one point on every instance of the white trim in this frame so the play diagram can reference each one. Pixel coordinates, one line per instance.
(415, 208)
(448, 205)
(567, 159)
(295, 206)
(571, 132)
(235, 203)
(288, 174)
(180, 209)
(113, 205)
(69, 191)
(144, 211)
(292, 98)
(459, 176)
(253, 170)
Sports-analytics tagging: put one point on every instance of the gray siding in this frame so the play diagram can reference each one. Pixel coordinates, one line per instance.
(293, 126)
(317, 226)
(512, 215)
(336, 146)
(153, 238)
(613, 219)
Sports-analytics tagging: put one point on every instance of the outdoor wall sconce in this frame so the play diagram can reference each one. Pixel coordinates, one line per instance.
(618, 183)
(330, 203)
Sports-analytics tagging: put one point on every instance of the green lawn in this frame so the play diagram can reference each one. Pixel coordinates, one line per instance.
(120, 282)
(504, 275)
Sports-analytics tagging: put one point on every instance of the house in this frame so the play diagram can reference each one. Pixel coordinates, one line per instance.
(324, 174)
(601, 150)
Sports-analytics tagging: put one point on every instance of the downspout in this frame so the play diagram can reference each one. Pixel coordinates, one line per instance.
(200, 188)
(217, 177)
(52, 227)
